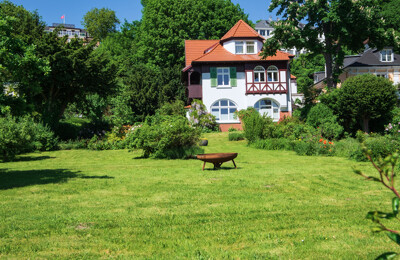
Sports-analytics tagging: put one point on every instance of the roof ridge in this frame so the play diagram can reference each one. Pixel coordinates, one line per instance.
(210, 51)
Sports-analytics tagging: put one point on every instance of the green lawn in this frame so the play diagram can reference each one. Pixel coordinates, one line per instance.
(99, 204)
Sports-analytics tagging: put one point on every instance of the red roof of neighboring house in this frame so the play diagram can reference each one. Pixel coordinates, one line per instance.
(293, 76)
(241, 30)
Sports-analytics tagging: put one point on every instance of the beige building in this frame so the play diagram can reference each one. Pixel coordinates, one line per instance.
(382, 63)
(69, 30)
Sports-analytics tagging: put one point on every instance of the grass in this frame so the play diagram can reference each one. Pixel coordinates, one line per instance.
(99, 204)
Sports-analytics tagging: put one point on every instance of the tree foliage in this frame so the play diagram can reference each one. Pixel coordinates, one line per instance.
(304, 68)
(100, 22)
(362, 99)
(345, 24)
(166, 24)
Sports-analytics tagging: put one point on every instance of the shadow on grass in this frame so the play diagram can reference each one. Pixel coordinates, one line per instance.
(15, 179)
(31, 158)
(221, 168)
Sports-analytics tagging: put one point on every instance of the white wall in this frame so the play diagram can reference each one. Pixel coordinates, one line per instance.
(230, 46)
(237, 95)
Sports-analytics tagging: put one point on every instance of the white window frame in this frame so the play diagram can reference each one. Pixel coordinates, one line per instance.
(274, 74)
(239, 44)
(244, 45)
(258, 71)
(274, 107)
(386, 54)
(262, 32)
(216, 108)
(222, 73)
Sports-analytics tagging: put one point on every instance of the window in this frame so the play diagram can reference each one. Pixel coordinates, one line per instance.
(387, 55)
(250, 47)
(242, 46)
(259, 74)
(238, 47)
(262, 32)
(268, 107)
(224, 110)
(267, 32)
(223, 76)
(272, 74)
(382, 75)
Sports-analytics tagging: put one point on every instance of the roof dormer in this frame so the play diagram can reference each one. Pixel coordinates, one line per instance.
(386, 55)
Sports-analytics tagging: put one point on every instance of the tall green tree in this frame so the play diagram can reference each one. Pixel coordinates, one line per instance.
(390, 12)
(166, 24)
(25, 25)
(363, 99)
(345, 24)
(304, 68)
(76, 70)
(100, 22)
(20, 68)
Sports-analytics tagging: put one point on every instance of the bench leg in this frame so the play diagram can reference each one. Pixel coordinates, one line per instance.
(234, 163)
(204, 165)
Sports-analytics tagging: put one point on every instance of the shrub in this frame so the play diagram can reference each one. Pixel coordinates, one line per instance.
(23, 135)
(199, 117)
(235, 136)
(293, 128)
(73, 144)
(306, 147)
(254, 125)
(349, 148)
(174, 108)
(274, 144)
(322, 117)
(165, 137)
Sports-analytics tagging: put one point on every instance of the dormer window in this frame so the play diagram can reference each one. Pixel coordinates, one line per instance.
(239, 47)
(245, 47)
(386, 55)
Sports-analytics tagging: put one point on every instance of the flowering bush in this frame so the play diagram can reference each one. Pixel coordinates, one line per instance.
(393, 129)
(200, 118)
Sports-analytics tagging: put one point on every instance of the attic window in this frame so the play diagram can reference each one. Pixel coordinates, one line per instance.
(386, 55)
(245, 47)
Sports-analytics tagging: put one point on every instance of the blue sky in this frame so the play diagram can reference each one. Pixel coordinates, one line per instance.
(74, 10)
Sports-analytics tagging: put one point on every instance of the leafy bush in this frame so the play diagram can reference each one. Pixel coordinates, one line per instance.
(235, 136)
(322, 117)
(73, 144)
(23, 135)
(254, 125)
(199, 117)
(274, 144)
(314, 146)
(166, 137)
(349, 148)
(174, 108)
(293, 128)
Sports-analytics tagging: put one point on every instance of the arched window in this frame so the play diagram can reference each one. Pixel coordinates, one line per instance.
(268, 107)
(259, 74)
(224, 110)
(272, 74)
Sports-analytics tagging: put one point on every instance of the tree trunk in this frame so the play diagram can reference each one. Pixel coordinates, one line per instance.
(329, 70)
(365, 125)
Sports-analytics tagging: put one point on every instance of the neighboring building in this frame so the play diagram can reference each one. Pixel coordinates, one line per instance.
(229, 75)
(266, 29)
(384, 63)
(70, 31)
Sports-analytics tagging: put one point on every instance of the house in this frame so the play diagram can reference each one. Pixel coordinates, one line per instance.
(229, 75)
(266, 29)
(382, 63)
(69, 30)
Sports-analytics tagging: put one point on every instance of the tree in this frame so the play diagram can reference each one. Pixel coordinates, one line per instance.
(361, 99)
(390, 12)
(20, 68)
(100, 22)
(304, 68)
(26, 25)
(76, 70)
(166, 24)
(343, 23)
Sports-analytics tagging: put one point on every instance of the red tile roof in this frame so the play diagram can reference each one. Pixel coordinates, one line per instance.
(241, 30)
(213, 51)
(196, 48)
(219, 53)
(293, 76)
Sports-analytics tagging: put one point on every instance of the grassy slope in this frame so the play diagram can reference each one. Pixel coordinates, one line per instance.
(90, 204)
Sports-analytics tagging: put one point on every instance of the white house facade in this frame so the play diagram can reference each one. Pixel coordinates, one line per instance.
(229, 75)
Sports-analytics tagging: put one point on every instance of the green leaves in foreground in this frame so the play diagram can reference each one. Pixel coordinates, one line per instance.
(386, 256)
